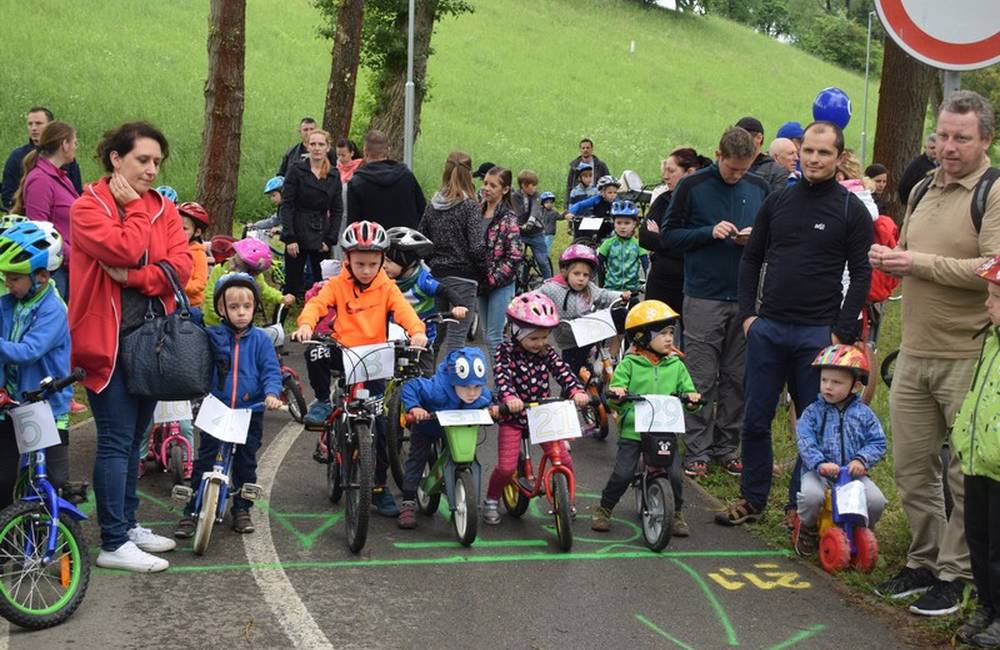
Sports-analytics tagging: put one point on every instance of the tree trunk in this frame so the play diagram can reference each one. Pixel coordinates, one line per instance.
(902, 103)
(346, 56)
(220, 140)
(389, 111)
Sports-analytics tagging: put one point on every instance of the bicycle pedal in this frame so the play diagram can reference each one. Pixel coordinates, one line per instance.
(251, 491)
(321, 458)
(181, 495)
(525, 484)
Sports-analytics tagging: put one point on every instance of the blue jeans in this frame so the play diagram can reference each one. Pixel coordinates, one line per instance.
(122, 420)
(540, 251)
(776, 352)
(61, 278)
(493, 315)
(244, 469)
(548, 241)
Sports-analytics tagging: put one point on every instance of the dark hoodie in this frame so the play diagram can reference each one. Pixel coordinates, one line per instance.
(386, 192)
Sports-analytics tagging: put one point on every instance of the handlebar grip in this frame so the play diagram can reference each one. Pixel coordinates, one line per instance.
(77, 375)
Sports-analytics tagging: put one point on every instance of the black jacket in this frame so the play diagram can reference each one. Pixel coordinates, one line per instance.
(297, 153)
(311, 209)
(386, 192)
(806, 233)
(915, 171)
(771, 171)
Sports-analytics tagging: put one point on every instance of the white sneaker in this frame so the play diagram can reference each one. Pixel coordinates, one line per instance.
(130, 557)
(149, 541)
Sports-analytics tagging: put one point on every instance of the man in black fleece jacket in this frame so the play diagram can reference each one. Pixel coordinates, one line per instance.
(806, 234)
(383, 190)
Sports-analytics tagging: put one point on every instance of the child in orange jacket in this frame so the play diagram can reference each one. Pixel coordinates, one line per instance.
(364, 297)
(196, 222)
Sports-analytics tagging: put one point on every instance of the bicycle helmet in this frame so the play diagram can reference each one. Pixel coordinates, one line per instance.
(8, 220)
(844, 356)
(990, 271)
(533, 309)
(221, 248)
(407, 246)
(253, 253)
(624, 209)
(648, 318)
(26, 247)
(195, 213)
(274, 184)
(168, 193)
(546, 196)
(606, 181)
(584, 167)
(230, 280)
(579, 253)
(56, 244)
(364, 236)
(466, 367)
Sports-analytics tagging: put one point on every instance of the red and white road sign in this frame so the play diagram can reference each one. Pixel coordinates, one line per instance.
(948, 34)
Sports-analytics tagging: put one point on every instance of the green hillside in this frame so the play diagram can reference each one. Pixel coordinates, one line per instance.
(516, 83)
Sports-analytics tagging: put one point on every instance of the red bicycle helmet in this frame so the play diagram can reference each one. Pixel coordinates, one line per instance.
(990, 270)
(195, 213)
(364, 236)
(222, 248)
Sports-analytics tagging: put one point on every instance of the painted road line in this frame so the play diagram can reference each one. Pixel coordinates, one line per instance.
(295, 619)
(654, 627)
(720, 611)
(4, 633)
(480, 543)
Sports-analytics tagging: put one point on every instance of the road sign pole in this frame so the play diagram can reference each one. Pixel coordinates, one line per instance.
(952, 82)
(868, 63)
(408, 99)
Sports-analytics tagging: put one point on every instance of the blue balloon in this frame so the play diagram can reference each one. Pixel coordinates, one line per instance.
(832, 105)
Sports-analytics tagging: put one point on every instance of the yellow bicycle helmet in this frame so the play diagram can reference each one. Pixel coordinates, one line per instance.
(647, 318)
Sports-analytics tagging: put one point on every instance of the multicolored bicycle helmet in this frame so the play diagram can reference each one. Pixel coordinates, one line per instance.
(168, 193)
(466, 367)
(844, 356)
(407, 246)
(56, 244)
(8, 220)
(364, 236)
(624, 209)
(230, 280)
(195, 213)
(579, 253)
(26, 247)
(647, 319)
(546, 196)
(274, 184)
(253, 253)
(533, 309)
(584, 167)
(607, 181)
(990, 270)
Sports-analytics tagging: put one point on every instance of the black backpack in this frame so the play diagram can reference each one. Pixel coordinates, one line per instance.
(979, 195)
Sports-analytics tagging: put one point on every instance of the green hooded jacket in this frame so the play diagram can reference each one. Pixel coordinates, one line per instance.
(975, 436)
(638, 375)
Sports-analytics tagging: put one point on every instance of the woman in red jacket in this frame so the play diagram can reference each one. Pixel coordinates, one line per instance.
(121, 228)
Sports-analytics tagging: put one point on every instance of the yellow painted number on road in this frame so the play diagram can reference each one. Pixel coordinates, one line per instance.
(770, 578)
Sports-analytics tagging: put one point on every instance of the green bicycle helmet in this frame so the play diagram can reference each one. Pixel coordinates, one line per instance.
(29, 246)
(8, 220)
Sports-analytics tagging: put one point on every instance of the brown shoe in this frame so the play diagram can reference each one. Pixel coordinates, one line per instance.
(242, 523)
(601, 520)
(807, 542)
(737, 514)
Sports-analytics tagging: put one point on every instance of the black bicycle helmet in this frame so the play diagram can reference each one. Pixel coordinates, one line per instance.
(407, 246)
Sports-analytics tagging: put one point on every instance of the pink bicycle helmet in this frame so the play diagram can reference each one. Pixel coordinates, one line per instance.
(255, 254)
(533, 309)
(579, 253)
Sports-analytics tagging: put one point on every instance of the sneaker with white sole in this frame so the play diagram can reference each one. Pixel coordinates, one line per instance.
(149, 541)
(130, 557)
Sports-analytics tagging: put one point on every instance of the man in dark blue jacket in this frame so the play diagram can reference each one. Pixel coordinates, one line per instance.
(38, 118)
(709, 218)
(791, 299)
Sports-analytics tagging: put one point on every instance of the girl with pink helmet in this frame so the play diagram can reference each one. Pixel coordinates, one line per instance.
(249, 256)
(523, 365)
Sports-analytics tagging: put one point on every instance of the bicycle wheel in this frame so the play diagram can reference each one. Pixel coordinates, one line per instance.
(513, 499)
(395, 433)
(465, 518)
(293, 397)
(561, 510)
(31, 595)
(358, 474)
(334, 488)
(428, 504)
(175, 463)
(206, 517)
(658, 513)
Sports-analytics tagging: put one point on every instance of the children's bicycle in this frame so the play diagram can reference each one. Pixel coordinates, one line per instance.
(529, 274)
(291, 385)
(169, 451)
(452, 468)
(44, 565)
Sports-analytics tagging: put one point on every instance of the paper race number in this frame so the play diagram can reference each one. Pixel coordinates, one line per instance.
(369, 362)
(464, 417)
(553, 421)
(593, 327)
(659, 413)
(221, 422)
(34, 427)
(172, 411)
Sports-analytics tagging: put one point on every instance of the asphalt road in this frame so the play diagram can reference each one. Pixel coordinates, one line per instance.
(294, 583)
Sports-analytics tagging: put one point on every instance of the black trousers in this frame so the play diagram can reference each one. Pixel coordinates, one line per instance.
(982, 534)
(626, 463)
(56, 461)
(295, 267)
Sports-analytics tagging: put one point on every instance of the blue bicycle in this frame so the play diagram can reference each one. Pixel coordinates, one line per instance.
(44, 565)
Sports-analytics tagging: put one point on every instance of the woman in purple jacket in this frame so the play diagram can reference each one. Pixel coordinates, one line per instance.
(46, 192)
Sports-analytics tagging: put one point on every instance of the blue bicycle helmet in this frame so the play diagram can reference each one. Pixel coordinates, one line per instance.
(168, 193)
(274, 184)
(234, 280)
(546, 196)
(624, 209)
(466, 367)
(26, 248)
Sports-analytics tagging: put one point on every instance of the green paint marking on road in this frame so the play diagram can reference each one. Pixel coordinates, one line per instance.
(807, 633)
(305, 539)
(480, 543)
(654, 627)
(160, 502)
(611, 547)
(720, 612)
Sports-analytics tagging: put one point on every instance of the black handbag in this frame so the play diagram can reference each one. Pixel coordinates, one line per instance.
(168, 357)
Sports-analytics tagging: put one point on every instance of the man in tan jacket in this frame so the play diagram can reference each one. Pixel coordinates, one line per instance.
(942, 311)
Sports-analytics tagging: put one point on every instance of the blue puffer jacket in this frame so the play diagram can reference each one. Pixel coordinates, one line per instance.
(437, 392)
(828, 435)
(42, 349)
(252, 356)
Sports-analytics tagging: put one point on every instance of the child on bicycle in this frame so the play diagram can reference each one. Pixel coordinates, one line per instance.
(621, 256)
(253, 257)
(522, 369)
(403, 263)
(529, 219)
(34, 342)
(318, 357)
(272, 188)
(248, 374)
(598, 205)
(975, 442)
(459, 383)
(583, 188)
(364, 298)
(837, 430)
(651, 367)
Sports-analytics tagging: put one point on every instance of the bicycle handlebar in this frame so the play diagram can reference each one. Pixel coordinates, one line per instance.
(49, 385)
(632, 397)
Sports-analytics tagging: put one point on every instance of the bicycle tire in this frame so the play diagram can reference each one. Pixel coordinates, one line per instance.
(561, 511)
(465, 518)
(358, 474)
(395, 433)
(175, 462)
(75, 561)
(657, 513)
(294, 398)
(513, 499)
(206, 517)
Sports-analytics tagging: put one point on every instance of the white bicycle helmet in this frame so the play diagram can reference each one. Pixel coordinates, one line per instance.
(605, 181)
(364, 236)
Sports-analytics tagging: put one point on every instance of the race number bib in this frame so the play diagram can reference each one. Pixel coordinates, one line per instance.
(852, 499)
(464, 417)
(593, 327)
(660, 414)
(172, 412)
(369, 362)
(591, 223)
(553, 421)
(223, 423)
(34, 427)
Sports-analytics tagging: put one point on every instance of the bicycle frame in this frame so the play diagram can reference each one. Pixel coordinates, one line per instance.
(531, 486)
(173, 436)
(39, 489)
(220, 470)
